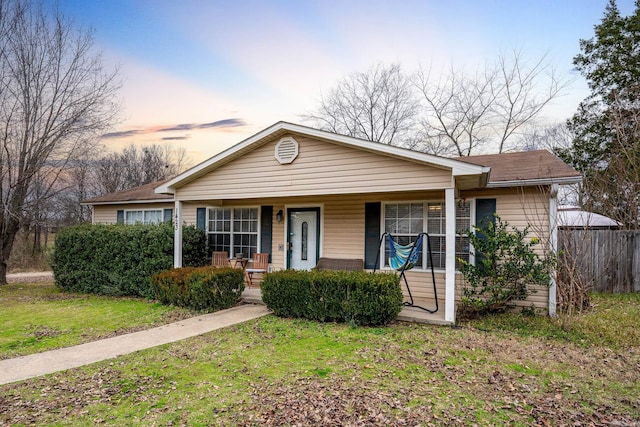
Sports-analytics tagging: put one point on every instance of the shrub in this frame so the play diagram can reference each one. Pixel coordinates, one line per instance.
(357, 297)
(120, 259)
(204, 288)
(506, 268)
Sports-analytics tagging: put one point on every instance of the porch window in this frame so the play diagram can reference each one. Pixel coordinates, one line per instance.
(145, 216)
(233, 230)
(404, 221)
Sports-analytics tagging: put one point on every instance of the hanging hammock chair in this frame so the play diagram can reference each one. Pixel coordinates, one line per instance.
(403, 258)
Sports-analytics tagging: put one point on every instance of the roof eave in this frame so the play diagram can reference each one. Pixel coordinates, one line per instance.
(121, 202)
(535, 182)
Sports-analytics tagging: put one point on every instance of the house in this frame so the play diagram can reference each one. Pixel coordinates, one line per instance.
(299, 193)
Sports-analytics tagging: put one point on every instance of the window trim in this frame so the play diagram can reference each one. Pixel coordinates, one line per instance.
(231, 232)
(126, 211)
(425, 202)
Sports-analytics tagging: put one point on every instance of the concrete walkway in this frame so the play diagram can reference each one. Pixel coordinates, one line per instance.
(35, 365)
(30, 276)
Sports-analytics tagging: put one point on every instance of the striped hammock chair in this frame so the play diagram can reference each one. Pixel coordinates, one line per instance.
(404, 257)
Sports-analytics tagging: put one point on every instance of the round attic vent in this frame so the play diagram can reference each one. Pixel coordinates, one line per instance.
(286, 150)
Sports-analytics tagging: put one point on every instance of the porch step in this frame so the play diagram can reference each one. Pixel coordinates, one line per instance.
(252, 296)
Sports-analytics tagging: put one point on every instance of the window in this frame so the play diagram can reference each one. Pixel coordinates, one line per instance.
(149, 216)
(404, 221)
(233, 230)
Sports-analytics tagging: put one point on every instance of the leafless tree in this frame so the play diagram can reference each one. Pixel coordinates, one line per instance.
(55, 98)
(550, 137)
(135, 166)
(464, 113)
(377, 105)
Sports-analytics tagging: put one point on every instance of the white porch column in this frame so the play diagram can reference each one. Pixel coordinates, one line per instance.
(177, 234)
(553, 244)
(450, 257)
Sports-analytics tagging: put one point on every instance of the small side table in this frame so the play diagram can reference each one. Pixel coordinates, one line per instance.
(239, 262)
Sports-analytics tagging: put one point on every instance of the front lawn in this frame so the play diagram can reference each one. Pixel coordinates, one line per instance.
(274, 371)
(36, 317)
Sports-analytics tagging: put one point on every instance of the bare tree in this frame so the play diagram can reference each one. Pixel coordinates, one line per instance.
(377, 105)
(135, 166)
(55, 98)
(464, 113)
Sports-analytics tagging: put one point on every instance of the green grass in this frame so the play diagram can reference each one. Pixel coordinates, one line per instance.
(37, 317)
(274, 371)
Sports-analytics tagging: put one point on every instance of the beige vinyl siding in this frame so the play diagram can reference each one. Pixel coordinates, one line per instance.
(107, 214)
(189, 213)
(320, 168)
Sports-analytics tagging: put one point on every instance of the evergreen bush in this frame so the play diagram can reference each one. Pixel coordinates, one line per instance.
(203, 288)
(356, 297)
(506, 268)
(120, 259)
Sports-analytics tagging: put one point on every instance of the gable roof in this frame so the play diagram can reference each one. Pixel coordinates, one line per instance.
(142, 194)
(528, 168)
(540, 167)
(458, 168)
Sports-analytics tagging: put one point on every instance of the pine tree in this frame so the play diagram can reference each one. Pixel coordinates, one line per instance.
(606, 146)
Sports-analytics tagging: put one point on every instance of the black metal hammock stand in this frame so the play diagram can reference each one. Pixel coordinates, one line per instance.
(403, 258)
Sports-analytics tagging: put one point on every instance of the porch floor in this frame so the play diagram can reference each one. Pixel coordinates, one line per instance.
(408, 314)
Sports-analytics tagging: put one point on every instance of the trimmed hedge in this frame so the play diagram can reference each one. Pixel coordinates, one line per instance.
(120, 259)
(203, 288)
(355, 297)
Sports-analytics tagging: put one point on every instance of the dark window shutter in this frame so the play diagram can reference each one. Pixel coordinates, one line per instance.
(485, 215)
(120, 217)
(372, 213)
(168, 215)
(485, 212)
(266, 224)
(201, 218)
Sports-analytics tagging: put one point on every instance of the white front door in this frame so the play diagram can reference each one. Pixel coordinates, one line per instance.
(304, 238)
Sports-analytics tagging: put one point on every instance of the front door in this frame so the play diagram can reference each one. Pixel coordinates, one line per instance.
(303, 225)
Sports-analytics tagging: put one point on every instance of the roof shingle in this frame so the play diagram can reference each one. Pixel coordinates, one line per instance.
(523, 166)
(142, 193)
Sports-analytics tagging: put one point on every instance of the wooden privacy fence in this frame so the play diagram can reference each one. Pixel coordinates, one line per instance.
(603, 260)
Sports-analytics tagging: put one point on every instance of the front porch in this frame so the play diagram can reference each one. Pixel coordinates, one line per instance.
(408, 314)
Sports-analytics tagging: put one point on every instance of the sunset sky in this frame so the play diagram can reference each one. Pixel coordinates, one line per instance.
(206, 74)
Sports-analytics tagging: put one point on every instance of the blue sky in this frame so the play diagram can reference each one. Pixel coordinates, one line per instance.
(207, 74)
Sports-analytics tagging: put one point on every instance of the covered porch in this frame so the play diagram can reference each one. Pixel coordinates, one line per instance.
(342, 227)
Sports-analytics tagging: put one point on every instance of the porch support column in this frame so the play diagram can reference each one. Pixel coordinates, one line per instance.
(553, 244)
(177, 235)
(450, 256)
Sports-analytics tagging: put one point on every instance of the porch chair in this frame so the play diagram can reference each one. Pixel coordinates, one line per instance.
(260, 265)
(220, 259)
